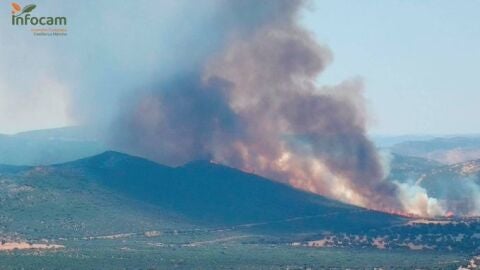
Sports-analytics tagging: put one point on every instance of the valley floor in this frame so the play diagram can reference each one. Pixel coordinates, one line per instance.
(228, 254)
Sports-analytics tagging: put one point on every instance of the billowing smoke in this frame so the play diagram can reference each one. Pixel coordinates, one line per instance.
(233, 81)
(253, 103)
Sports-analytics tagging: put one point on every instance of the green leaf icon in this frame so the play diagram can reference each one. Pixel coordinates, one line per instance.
(28, 8)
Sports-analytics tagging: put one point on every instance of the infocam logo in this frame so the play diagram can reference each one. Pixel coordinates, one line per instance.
(22, 16)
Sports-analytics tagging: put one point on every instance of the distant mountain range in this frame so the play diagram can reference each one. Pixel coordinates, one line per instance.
(448, 150)
(59, 145)
(49, 146)
(385, 141)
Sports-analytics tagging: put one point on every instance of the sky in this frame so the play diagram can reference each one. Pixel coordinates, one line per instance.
(419, 60)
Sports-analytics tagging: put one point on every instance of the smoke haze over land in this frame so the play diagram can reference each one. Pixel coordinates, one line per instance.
(253, 104)
(229, 81)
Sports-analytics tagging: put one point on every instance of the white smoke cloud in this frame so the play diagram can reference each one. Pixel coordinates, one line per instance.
(417, 202)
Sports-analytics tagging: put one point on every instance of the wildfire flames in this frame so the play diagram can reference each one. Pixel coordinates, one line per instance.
(253, 103)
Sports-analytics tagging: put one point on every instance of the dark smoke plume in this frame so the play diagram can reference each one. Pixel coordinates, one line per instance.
(252, 103)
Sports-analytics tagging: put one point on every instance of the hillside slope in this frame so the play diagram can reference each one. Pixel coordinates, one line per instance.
(112, 209)
(456, 186)
(212, 194)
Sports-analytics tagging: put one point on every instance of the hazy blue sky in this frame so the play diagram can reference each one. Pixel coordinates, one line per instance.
(420, 60)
